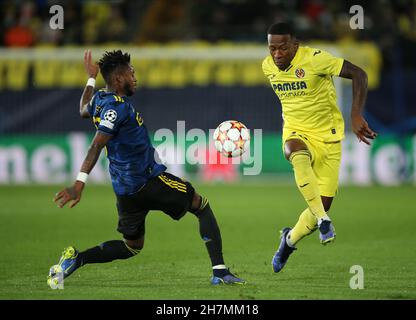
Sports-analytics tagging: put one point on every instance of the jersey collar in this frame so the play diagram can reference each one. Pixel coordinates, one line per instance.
(296, 58)
(111, 93)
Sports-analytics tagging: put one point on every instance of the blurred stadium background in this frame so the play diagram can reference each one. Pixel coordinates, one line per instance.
(200, 62)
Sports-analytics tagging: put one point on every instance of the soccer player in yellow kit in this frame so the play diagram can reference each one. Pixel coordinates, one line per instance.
(313, 127)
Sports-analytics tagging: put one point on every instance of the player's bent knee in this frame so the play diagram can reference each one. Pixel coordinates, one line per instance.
(135, 244)
(294, 145)
(198, 205)
(196, 202)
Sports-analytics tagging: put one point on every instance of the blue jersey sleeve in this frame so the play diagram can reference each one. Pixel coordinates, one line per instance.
(112, 117)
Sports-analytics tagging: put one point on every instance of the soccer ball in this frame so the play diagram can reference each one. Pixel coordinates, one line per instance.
(231, 138)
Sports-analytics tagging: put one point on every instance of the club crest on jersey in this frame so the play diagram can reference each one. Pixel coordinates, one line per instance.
(110, 115)
(300, 73)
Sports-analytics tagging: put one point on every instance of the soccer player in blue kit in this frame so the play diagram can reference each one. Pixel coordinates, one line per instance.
(139, 182)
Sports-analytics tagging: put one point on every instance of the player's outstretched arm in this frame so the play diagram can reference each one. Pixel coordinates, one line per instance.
(74, 193)
(92, 70)
(359, 94)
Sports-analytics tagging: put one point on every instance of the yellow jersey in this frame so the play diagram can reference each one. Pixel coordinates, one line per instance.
(307, 93)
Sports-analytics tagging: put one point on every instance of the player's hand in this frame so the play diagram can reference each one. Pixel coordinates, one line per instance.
(72, 193)
(361, 129)
(90, 67)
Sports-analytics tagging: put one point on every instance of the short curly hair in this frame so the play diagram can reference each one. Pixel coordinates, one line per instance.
(111, 61)
(282, 28)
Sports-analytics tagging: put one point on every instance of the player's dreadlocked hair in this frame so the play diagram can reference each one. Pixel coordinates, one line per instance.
(111, 61)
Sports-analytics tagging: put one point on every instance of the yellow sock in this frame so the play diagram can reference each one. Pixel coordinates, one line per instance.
(307, 182)
(306, 224)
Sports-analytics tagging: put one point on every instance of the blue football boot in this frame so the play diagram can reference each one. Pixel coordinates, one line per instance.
(326, 232)
(68, 261)
(282, 254)
(226, 277)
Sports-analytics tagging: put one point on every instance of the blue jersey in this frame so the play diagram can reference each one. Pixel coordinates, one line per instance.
(131, 154)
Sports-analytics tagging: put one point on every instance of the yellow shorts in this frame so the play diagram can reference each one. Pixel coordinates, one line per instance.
(326, 160)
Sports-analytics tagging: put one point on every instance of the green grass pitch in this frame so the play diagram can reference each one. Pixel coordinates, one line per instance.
(375, 229)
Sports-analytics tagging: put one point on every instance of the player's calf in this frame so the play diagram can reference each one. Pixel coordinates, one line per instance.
(211, 235)
(108, 251)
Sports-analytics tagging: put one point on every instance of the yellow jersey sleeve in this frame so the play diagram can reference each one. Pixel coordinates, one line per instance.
(326, 64)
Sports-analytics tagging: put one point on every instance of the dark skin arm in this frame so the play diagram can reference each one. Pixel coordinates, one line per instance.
(92, 70)
(74, 193)
(359, 93)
